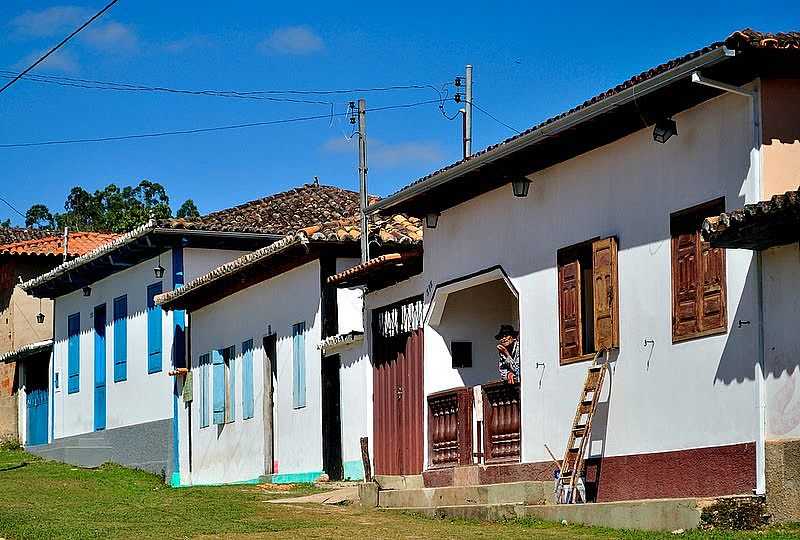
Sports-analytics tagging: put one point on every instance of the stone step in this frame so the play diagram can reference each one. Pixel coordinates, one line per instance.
(653, 515)
(387, 482)
(491, 494)
(484, 512)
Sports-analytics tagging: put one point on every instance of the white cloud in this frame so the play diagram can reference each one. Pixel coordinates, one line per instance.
(60, 61)
(390, 155)
(111, 36)
(48, 22)
(292, 40)
(57, 21)
(184, 44)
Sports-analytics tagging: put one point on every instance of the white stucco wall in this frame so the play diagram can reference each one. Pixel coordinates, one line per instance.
(142, 397)
(666, 397)
(236, 451)
(781, 277)
(356, 402)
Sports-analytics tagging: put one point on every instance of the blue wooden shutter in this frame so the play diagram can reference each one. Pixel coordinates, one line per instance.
(218, 377)
(154, 329)
(299, 365)
(73, 353)
(231, 401)
(121, 338)
(203, 365)
(247, 379)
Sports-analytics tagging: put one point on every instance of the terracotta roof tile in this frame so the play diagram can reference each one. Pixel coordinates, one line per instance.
(279, 214)
(739, 40)
(395, 229)
(79, 243)
(9, 235)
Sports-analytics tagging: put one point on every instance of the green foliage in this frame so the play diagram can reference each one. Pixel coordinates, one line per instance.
(38, 216)
(5, 223)
(10, 443)
(188, 210)
(111, 209)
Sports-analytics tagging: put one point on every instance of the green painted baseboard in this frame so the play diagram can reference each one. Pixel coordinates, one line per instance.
(353, 470)
(296, 478)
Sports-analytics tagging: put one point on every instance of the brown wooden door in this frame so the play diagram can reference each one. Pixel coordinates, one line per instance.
(398, 404)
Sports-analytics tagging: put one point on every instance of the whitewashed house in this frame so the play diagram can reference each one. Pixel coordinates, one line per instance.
(280, 387)
(115, 379)
(772, 229)
(584, 232)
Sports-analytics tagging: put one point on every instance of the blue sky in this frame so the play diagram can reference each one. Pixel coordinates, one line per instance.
(532, 60)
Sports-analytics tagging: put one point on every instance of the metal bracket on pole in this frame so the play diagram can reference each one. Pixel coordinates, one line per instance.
(698, 78)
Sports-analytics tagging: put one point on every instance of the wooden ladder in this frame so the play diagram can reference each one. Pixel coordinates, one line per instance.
(572, 464)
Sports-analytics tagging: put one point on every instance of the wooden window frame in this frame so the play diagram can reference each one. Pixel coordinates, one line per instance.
(583, 252)
(683, 221)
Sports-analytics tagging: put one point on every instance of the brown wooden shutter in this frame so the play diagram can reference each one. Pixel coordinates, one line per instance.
(606, 299)
(569, 309)
(685, 286)
(712, 293)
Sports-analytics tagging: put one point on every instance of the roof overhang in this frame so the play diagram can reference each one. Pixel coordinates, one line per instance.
(27, 351)
(381, 271)
(590, 126)
(340, 342)
(130, 249)
(442, 291)
(757, 226)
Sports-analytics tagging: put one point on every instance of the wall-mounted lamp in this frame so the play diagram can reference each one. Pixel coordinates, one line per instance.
(520, 186)
(87, 291)
(40, 318)
(431, 220)
(159, 270)
(664, 129)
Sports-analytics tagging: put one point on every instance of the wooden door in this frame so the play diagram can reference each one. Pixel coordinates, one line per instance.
(270, 376)
(331, 418)
(36, 401)
(398, 404)
(100, 367)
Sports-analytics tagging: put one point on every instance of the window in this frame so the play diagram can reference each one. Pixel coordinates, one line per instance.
(224, 369)
(247, 380)
(299, 365)
(74, 353)
(698, 276)
(154, 328)
(461, 351)
(588, 308)
(203, 394)
(120, 338)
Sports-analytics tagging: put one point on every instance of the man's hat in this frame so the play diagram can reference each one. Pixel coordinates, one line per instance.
(506, 330)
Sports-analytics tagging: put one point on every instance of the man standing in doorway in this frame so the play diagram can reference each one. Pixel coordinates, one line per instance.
(508, 351)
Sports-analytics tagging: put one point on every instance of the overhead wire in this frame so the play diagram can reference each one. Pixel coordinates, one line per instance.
(59, 45)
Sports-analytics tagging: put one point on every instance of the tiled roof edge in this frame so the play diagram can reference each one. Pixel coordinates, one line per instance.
(26, 350)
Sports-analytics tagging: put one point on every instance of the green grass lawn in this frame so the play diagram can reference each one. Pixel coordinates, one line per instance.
(43, 499)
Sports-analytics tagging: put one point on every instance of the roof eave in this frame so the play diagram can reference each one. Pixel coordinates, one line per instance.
(569, 121)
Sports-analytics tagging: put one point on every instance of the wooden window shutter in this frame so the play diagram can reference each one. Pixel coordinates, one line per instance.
(569, 309)
(685, 287)
(713, 314)
(606, 298)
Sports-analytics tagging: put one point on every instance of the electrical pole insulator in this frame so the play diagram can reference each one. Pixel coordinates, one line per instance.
(458, 81)
(457, 98)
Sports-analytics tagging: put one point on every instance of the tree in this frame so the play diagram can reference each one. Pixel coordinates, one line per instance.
(5, 223)
(38, 216)
(188, 210)
(114, 209)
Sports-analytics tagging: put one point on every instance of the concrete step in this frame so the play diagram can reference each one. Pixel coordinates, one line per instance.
(653, 515)
(91, 441)
(491, 494)
(89, 457)
(485, 512)
(387, 482)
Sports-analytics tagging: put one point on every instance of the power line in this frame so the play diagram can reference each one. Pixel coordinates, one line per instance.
(12, 207)
(251, 94)
(493, 117)
(59, 45)
(208, 129)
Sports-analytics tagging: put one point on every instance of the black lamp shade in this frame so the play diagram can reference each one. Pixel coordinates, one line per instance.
(521, 186)
(159, 271)
(431, 220)
(664, 129)
(40, 318)
(87, 291)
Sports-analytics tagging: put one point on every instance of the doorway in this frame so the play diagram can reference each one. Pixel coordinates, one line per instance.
(36, 401)
(331, 418)
(269, 344)
(100, 367)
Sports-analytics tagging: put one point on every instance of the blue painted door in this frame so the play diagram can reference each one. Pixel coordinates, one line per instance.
(36, 401)
(100, 367)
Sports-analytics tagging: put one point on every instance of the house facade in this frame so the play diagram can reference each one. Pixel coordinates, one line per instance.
(26, 321)
(583, 234)
(280, 384)
(115, 379)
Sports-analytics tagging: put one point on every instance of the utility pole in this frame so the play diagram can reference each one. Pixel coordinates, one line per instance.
(468, 112)
(362, 177)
